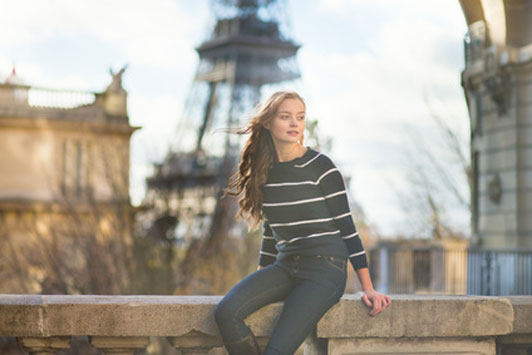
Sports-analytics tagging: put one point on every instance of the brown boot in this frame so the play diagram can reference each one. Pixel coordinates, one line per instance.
(245, 346)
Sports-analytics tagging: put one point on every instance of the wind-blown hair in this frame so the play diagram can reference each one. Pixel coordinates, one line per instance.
(255, 159)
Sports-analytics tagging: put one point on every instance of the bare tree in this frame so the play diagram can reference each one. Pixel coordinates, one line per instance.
(439, 177)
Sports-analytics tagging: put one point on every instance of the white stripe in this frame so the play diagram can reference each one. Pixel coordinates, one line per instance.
(342, 215)
(269, 254)
(336, 193)
(351, 235)
(308, 162)
(271, 204)
(267, 237)
(293, 202)
(359, 253)
(302, 222)
(308, 236)
(301, 182)
(316, 220)
(292, 183)
(326, 173)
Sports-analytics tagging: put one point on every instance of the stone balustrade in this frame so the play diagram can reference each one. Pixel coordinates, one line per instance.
(412, 324)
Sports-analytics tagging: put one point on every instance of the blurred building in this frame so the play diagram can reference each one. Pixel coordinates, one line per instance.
(497, 82)
(424, 266)
(64, 171)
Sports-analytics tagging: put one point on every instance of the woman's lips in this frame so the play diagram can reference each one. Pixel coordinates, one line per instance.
(293, 133)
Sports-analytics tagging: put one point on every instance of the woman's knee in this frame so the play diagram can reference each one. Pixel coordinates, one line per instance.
(223, 311)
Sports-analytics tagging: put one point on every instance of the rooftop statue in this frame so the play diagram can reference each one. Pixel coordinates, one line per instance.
(116, 84)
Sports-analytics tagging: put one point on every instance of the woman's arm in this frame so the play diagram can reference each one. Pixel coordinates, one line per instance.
(268, 252)
(365, 279)
(331, 183)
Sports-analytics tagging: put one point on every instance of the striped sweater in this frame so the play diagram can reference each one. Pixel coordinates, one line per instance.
(307, 211)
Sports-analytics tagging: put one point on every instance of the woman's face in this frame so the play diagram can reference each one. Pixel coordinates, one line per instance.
(288, 123)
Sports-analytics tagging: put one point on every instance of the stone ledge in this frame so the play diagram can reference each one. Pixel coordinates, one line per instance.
(140, 315)
(522, 306)
(420, 316)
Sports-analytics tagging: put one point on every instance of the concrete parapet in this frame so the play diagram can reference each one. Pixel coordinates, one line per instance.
(420, 316)
(411, 324)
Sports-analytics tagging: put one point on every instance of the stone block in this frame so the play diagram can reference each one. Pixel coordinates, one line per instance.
(525, 226)
(44, 345)
(497, 160)
(412, 316)
(524, 201)
(524, 178)
(502, 139)
(497, 224)
(522, 306)
(22, 315)
(507, 204)
(410, 346)
(524, 113)
(119, 344)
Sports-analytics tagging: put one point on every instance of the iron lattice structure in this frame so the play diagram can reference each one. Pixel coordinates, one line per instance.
(247, 53)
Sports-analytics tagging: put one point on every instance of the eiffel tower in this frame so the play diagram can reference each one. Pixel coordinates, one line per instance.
(247, 53)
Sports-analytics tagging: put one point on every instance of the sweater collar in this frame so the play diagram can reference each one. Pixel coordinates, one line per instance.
(297, 160)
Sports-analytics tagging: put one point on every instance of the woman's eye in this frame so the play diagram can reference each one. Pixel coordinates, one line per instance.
(301, 117)
(284, 116)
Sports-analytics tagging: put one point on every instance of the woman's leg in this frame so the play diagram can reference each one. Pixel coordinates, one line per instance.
(320, 283)
(258, 289)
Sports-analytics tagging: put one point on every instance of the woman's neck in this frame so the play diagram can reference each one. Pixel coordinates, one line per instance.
(289, 152)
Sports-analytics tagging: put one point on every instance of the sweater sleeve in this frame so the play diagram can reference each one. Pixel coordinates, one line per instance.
(331, 183)
(268, 252)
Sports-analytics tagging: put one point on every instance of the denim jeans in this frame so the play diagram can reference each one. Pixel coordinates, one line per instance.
(308, 285)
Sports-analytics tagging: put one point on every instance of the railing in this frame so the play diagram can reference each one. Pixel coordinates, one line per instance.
(499, 272)
(438, 269)
(22, 95)
(428, 324)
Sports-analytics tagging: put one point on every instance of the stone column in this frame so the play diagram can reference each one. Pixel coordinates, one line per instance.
(497, 82)
(413, 345)
(314, 345)
(119, 345)
(197, 343)
(44, 345)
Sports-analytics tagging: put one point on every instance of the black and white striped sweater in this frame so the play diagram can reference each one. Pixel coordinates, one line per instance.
(307, 211)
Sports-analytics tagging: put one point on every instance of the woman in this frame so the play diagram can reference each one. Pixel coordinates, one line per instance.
(300, 197)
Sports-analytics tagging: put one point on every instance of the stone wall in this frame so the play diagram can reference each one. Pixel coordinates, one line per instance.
(412, 324)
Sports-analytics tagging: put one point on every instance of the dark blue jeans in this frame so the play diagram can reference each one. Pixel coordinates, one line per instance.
(308, 285)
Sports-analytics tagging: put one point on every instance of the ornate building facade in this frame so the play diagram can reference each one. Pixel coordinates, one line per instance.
(64, 179)
(497, 82)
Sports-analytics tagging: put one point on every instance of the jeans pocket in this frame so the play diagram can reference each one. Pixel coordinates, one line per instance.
(336, 262)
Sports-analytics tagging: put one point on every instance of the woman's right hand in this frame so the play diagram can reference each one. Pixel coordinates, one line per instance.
(259, 267)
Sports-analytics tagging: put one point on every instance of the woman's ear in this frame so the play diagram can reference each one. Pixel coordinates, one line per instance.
(266, 125)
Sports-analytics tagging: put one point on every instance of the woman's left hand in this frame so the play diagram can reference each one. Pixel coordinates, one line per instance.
(376, 299)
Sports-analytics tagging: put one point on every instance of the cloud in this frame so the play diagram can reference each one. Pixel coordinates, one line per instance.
(151, 33)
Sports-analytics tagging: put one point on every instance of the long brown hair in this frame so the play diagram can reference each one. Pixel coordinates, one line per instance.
(255, 159)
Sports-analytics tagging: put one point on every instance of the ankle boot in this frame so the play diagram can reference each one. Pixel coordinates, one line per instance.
(245, 346)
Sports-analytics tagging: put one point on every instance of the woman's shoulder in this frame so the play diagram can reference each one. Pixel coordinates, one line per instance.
(320, 160)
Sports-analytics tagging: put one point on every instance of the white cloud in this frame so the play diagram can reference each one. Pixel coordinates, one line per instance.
(151, 33)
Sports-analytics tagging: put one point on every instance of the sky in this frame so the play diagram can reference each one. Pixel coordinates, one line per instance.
(372, 73)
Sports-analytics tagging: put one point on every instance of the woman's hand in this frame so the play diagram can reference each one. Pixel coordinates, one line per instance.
(376, 299)
(259, 267)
